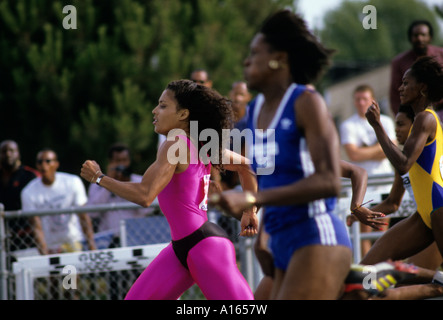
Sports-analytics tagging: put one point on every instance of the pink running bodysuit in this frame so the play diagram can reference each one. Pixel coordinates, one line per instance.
(211, 262)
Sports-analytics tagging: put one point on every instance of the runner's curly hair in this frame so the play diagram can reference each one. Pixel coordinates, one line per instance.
(208, 107)
(428, 71)
(286, 31)
(408, 111)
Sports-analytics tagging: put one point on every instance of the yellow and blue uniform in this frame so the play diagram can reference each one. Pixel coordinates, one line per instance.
(426, 176)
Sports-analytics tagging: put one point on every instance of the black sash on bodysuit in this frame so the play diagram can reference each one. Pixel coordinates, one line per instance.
(181, 247)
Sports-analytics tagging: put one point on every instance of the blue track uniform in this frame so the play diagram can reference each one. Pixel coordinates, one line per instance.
(280, 156)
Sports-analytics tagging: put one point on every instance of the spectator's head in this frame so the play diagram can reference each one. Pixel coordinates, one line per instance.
(363, 96)
(47, 164)
(420, 35)
(403, 122)
(424, 80)
(9, 155)
(201, 76)
(119, 162)
(240, 97)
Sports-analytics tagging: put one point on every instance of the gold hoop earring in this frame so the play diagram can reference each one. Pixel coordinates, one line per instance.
(421, 92)
(273, 64)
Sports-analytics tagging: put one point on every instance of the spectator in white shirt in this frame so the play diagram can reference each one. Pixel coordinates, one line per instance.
(362, 148)
(57, 190)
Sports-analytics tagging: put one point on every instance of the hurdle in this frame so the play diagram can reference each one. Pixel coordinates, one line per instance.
(26, 269)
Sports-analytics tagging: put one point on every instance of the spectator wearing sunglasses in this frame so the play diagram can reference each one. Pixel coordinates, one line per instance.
(57, 233)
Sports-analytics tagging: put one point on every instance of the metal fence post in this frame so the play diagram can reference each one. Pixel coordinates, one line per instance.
(3, 253)
(123, 234)
(356, 244)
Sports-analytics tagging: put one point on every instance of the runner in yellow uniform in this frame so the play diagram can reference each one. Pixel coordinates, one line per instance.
(426, 176)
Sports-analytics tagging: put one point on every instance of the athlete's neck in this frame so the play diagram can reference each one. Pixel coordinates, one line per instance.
(274, 95)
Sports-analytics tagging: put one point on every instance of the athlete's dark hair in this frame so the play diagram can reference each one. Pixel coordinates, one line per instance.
(286, 31)
(428, 71)
(206, 106)
(407, 110)
(417, 23)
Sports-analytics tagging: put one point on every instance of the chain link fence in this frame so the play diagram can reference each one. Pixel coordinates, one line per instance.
(103, 274)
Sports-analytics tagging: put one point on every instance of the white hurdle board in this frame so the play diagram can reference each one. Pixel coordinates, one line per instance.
(26, 269)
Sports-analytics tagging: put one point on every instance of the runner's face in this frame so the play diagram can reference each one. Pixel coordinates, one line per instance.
(256, 65)
(167, 116)
(409, 90)
(402, 126)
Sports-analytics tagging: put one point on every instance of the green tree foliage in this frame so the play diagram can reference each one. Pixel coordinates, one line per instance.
(80, 90)
(343, 29)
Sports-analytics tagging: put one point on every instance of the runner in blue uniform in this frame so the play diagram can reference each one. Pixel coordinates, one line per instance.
(295, 153)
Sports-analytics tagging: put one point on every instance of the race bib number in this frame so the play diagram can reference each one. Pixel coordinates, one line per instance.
(204, 204)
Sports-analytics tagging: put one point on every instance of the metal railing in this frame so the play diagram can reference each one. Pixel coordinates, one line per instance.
(5, 253)
(243, 246)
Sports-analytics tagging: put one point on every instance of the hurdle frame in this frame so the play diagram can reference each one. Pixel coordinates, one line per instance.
(26, 269)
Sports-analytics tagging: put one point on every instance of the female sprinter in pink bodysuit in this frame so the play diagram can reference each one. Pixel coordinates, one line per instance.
(200, 251)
